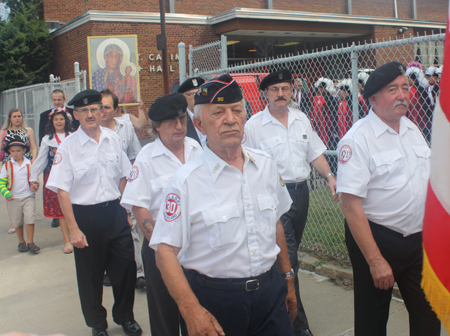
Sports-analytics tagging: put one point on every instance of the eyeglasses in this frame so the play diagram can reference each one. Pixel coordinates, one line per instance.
(276, 89)
(190, 94)
(92, 110)
(174, 122)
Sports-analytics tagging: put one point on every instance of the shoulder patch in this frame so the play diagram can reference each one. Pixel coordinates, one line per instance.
(172, 208)
(134, 173)
(57, 159)
(345, 154)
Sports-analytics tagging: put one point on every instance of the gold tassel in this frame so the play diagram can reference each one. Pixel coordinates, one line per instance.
(435, 292)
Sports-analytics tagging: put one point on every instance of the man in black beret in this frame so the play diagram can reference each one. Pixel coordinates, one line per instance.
(383, 172)
(286, 134)
(220, 222)
(144, 194)
(188, 88)
(89, 174)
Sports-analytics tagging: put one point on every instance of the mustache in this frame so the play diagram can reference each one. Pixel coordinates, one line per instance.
(281, 98)
(400, 102)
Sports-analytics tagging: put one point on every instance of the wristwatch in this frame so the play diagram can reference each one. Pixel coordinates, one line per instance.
(329, 174)
(289, 274)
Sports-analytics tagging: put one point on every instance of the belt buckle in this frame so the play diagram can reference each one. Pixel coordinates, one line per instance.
(252, 285)
(105, 204)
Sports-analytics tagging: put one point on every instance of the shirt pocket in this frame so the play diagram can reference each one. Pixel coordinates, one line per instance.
(161, 182)
(423, 154)
(223, 224)
(268, 212)
(86, 172)
(275, 147)
(112, 164)
(389, 169)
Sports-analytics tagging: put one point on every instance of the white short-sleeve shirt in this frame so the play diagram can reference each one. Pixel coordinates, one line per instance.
(20, 187)
(223, 221)
(130, 143)
(389, 170)
(292, 148)
(89, 171)
(151, 173)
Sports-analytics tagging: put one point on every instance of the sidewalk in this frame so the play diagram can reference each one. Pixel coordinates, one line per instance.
(38, 293)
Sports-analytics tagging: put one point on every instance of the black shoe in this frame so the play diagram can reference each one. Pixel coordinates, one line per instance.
(55, 222)
(132, 328)
(304, 332)
(99, 332)
(106, 281)
(140, 282)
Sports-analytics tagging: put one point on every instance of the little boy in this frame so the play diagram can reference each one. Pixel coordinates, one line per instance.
(15, 186)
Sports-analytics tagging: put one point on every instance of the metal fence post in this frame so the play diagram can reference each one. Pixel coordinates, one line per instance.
(77, 77)
(190, 61)
(355, 91)
(223, 52)
(182, 61)
(84, 79)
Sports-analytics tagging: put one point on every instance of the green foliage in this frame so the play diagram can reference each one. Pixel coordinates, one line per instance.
(24, 44)
(15, 4)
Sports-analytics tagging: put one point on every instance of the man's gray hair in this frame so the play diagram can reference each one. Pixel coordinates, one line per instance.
(153, 125)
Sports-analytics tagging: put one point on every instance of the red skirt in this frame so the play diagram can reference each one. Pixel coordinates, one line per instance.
(52, 209)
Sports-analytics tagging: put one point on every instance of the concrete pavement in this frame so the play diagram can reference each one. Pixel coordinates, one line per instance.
(38, 293)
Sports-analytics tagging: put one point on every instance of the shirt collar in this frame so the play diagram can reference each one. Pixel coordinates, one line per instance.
(379, 126)
(191, 114)
(84, 138)
(216, 165)
(25, 160)
(118, 124)
(159, 148)
(268, 117)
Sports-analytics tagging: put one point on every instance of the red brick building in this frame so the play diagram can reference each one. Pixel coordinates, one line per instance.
(290, 25)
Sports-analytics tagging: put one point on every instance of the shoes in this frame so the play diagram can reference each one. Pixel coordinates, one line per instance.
(99, 332)
(304, 332)
(106, 281)
(132, 328)
(33, 248)
(11, 231)
(68, 249)
(55, 222)
(140, 282)
(22, 247)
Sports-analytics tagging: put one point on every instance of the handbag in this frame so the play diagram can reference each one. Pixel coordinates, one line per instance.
(2, 152)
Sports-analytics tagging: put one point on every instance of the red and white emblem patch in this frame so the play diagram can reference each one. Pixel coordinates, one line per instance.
(345, 154)
(173, 207)
(134, 173)
(57, 159)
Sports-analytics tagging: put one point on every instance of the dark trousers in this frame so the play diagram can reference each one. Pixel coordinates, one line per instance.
(110, 248)
(246, 313)
(162, 309)
(294, 222)
(404, 255)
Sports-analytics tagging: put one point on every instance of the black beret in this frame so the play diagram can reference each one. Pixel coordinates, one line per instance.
(168, 107)
(85, 98)
(191, 84)
(15, 140)
(221, 90)
(280, 76)
(382, 76)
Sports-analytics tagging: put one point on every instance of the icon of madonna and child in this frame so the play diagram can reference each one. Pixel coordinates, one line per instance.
(116, 71)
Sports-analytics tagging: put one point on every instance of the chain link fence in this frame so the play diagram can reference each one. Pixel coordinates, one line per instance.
(208, 57)
(328, 86)
(32, 100)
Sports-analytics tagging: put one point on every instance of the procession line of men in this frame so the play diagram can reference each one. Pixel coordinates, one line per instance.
(222, 224)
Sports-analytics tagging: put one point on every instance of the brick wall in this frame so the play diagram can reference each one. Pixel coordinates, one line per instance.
(72, 47)
(316, 6)
(215, 7)
(436, 10)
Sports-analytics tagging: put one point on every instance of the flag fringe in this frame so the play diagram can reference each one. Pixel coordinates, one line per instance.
(436, 293)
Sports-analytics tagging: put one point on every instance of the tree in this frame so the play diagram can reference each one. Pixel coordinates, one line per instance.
(15, 4)
(24, 42)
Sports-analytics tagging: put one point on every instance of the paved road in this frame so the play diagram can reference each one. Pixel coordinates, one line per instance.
(38, 293)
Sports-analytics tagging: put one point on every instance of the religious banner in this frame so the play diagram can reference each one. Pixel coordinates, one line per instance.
(114, 65)
(436, 225)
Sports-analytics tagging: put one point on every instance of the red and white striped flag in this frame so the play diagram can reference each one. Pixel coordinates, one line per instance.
(436, 226)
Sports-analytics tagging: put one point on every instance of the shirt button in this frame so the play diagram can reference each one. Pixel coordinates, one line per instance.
(252, 229)
(243, 181)
(224, 217)
(248, 205)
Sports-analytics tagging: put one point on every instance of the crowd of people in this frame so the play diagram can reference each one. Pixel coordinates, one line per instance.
(329, 102)
(222, 201)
